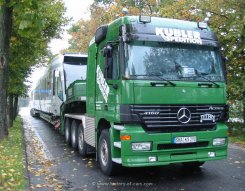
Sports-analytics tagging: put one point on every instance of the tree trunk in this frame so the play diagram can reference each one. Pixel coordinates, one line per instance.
(16, 101)
(8, 125)
(5, 31)
(244, 104)
(10, 110)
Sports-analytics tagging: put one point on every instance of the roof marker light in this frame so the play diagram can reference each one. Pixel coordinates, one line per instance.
(144, 19)
(202, 25)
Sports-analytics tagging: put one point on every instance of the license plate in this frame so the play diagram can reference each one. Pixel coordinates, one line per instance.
(179, 140)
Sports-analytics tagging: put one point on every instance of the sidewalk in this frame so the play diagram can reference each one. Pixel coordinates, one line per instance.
(38, 165)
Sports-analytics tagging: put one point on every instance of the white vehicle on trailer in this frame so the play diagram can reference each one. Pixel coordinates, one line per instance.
(50, 91)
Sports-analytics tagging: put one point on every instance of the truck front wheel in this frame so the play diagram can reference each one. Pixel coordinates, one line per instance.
(82, 145)
(108, 167)
(67, 132)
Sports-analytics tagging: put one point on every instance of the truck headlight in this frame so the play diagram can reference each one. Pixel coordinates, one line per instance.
(219, 141)
(146, 146)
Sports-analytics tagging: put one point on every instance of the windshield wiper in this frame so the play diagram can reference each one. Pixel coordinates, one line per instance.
(200, 75)
(171, 83)
(159, 77)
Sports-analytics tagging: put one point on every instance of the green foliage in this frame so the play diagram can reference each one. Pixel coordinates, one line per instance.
(35, 23)
(11, 159)
(236, 109)
(236, 132)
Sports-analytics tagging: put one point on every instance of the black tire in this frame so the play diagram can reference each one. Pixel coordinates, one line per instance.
(107, 166)
(67, 131)
(195, 164)
(74, 135)
(82, 145)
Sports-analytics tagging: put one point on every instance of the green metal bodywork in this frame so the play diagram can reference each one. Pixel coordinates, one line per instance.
(142, 92)
(76, 91)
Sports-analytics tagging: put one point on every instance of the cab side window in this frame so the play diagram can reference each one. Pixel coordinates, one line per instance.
(111, 62)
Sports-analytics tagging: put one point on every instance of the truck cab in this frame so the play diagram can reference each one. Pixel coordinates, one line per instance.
(156, 87)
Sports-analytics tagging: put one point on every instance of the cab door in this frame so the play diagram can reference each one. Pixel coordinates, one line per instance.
(107, 90)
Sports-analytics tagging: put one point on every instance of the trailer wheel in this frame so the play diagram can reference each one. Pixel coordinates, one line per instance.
(194, 164)
(108, 167)
(82, 145)
(74, 135)
(67, 131)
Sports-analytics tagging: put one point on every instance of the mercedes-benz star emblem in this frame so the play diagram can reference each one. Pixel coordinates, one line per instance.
(184, 115)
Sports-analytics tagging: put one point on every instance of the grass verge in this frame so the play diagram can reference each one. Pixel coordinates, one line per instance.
(236, 132)
(11, 159)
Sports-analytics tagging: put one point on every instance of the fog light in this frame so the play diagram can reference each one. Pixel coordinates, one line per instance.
(219, 141)
(152, 159)
(141, 146)
(211, 154)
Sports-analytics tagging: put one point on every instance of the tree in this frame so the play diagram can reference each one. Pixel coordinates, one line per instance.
(28, 49)
(34, 24)
(5, 32)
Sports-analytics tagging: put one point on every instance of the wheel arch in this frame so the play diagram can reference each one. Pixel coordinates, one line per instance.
(102, 124)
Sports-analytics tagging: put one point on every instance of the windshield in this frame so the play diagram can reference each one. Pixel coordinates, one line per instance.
(153, 60)
(74, 72)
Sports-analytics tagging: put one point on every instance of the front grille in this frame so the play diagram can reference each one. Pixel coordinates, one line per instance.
(164, 117)
(182, 146)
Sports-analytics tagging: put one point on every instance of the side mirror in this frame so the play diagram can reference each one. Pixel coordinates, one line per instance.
(107, 51)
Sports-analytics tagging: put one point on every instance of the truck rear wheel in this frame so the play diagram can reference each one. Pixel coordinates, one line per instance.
(67, 131)
(74, 135)
(194, 164)
(108, 167)
(82, 145)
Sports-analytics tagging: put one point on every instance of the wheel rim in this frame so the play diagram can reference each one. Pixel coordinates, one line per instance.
(81, 139)
(104, 153)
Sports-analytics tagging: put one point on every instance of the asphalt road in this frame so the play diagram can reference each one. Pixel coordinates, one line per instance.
(79, 173)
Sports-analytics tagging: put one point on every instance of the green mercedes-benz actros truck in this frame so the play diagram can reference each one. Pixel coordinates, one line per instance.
(155, 94)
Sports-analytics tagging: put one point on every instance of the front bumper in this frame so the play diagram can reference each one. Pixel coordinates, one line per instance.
(165, 156)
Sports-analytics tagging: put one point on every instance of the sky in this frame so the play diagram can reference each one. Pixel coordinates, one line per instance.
(76, 9)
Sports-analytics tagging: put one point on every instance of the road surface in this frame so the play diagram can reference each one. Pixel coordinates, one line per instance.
(72, 172)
